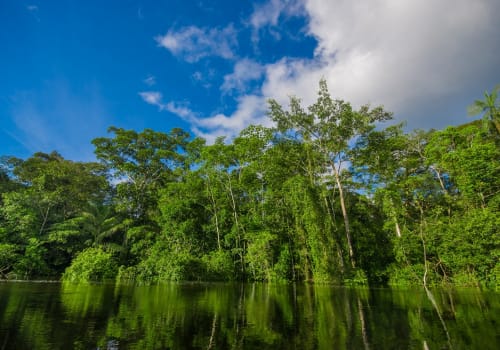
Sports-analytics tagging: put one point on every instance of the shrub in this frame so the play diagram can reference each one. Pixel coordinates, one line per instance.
(219, 266)
(92, 264)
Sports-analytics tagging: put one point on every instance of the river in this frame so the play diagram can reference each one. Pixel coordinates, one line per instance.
(244, 316)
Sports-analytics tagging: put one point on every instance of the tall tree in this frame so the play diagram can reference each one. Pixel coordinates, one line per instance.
(329, 126)
(141, 163)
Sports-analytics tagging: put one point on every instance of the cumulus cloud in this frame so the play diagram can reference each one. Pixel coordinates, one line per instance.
(424, 60)
(193, 43)
(400, 54)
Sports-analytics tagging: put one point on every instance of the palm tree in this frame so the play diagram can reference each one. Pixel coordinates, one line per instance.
(489, 107)
(98, 223)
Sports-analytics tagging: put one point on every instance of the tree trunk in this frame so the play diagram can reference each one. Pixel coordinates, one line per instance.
(237, 223)
(45, 217)
(214, 207)
(331, 215)
(345, 216)
(398, 230)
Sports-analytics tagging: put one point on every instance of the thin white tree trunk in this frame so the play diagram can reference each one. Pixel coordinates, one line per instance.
(345, 215)
(212, 199)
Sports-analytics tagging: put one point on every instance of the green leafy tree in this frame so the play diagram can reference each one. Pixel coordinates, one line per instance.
(328, 126)
(141, 163)
(51, 190)
(221, 169)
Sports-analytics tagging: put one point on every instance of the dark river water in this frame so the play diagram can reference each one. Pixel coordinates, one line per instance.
(244, 316)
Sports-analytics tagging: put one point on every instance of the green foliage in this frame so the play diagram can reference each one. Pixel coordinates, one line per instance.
(404, 276)
(32, 262)
(142, 162)
(490, 108)
(283, 270)
(358, 278)
(219, 266)
(92, 264)
(164, 263)
(259, 255)
(372, 244)
(8, 256)
(274, 204)
(476, 251)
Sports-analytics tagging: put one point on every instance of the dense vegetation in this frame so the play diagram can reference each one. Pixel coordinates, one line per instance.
(328, 195)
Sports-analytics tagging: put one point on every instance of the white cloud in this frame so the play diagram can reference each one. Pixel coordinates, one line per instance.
(193, 43)
(152, 97)
(181, 110)
(419, 59)
(32, 8)
(269, 13)
(155, 98)
(250, 110)
(245, 71)
(413, 57)
(266, 14)
(424, 60)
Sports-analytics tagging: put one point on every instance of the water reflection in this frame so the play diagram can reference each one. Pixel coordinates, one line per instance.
(235, 316)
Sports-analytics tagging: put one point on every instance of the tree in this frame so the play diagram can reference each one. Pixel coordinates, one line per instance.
(97, 225)
(51, 191)
(328, 127)
(489, 107)
(221, 169)
(141, 163)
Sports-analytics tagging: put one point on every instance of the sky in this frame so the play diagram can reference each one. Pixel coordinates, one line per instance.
(71, 69)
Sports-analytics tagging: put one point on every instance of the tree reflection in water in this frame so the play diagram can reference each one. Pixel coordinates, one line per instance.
(243, 316)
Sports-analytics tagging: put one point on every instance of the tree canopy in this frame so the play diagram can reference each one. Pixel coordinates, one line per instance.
(329, 194)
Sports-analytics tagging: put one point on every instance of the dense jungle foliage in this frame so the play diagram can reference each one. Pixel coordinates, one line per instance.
(327, 195)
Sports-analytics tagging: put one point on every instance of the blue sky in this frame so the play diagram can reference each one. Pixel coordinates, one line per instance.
(70, 69)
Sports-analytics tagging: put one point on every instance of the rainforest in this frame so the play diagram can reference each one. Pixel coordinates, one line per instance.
(329, 194)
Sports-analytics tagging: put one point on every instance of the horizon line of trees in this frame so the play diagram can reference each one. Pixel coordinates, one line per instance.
(324, 196)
